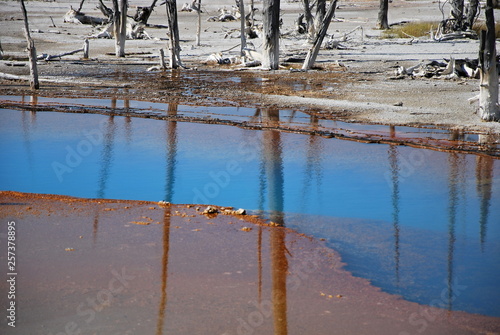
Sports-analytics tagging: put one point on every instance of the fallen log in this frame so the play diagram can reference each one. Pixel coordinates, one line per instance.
(73, 16)
(84, 50)
(48, 57)
(447, 69)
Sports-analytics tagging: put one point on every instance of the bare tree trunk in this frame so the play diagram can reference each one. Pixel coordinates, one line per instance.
(320, 14)
(313, 52)
(383, 22)
(243, 27)
(252, 9)
(80, 7)
(198, 30)
(122, 37)
(31, 50)
(457, 13)
(271, 18)
(488, 94)
(471, 14)
(309, 19)
(143, 13)
(173, 32)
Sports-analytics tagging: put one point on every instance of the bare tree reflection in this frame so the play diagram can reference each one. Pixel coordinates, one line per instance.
(106, 159)
(171, 160)
(171, 153)
(28, 128)
(106, 156)
(393, 161)
(457, 166)
(484, 184)
(312, 169)
(164, 271)
(272, 156)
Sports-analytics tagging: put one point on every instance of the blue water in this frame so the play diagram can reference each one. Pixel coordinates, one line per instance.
(420, 223)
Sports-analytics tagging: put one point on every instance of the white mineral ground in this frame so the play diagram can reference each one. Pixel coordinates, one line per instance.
(367, 94)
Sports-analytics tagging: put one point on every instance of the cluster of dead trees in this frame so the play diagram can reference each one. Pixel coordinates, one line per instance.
(119, 26)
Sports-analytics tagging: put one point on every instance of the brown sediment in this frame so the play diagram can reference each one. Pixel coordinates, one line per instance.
(190, 273)
(366, 135)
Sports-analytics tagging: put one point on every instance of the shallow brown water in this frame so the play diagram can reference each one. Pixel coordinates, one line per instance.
(124, 267)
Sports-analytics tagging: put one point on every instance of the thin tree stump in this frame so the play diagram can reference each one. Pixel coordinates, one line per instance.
(86, 48)
(34, 84)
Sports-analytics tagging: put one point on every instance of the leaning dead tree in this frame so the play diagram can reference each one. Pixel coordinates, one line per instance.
(143, 13)
(488, 94)
(173, 34)
(31, 50)
(309, 23)
(271, 18)
(314, 50)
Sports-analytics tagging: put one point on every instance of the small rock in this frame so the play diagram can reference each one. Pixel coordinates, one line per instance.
(163, 203)
(246, 229)
(399, 104)
(210, 210)
(240, 211)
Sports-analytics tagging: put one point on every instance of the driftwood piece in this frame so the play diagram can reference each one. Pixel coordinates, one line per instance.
(73, 16)
(84, 50)
(48, 57)
(447, 69)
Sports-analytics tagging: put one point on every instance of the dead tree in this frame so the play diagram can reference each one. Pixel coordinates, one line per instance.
(143, 13)
(457, 14)
(488, 94)
(243, 27)
(31, 50)
(309, 24)
(120, 26)
(320, 14)
(80, 7)
(471, 13)
(198, 29)
(383, 22)
(271, 18)
(173, 33)
(313, 52)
